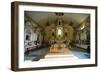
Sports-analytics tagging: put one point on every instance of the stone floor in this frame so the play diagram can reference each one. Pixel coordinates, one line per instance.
(44, 54)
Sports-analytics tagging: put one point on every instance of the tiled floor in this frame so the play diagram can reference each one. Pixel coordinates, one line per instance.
(81, 54)
(36, 54)
(41, 53)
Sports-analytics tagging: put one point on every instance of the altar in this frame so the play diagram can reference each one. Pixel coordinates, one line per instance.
(58, 48)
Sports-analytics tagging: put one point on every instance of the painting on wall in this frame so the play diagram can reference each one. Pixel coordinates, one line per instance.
(51, 36)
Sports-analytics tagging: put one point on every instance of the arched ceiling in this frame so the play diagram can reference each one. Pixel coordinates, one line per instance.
(42, 18)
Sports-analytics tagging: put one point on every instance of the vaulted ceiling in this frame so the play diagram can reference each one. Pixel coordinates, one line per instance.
(42, 18)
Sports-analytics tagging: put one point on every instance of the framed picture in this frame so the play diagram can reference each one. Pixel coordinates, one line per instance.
(52, 36)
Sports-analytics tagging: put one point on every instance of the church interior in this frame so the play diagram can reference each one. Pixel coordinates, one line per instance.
(56, 36)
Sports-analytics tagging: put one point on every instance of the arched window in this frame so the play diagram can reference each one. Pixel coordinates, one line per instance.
(59, 32)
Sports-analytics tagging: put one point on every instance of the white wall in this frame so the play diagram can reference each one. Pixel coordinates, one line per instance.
(5, 32)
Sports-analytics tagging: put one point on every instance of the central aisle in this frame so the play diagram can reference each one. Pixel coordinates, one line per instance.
(66, 55)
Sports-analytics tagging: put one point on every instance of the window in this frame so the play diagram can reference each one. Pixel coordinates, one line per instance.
(59, 32)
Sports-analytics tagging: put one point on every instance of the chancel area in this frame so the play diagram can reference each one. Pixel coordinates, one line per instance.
(56, 36)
